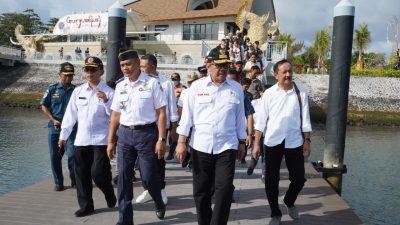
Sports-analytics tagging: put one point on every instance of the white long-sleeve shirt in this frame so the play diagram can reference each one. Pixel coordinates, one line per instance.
(280, 115)
(183, 96)
(215, 114)
(91, 113)
(169, 92)
(137, 101)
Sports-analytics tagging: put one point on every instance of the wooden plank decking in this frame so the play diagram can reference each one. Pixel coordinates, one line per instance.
(318, 203)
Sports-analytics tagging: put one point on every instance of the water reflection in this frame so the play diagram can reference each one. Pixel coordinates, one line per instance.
(24, 157)
(371, 186)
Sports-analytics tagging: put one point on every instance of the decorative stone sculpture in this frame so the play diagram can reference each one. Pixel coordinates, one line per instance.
(31, 44)
(259, 27)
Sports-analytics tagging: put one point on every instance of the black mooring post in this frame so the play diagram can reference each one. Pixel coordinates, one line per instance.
(342, 42)
(116, 39)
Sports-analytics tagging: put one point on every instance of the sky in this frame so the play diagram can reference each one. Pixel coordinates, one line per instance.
(300, 18)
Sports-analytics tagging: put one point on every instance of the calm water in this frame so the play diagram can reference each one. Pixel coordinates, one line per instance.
(371, 186)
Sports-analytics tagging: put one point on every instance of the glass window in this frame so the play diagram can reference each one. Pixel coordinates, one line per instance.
(186, 32)
(161, 27)
(200, 31)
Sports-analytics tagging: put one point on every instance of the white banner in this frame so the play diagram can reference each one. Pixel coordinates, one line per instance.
(85, 23)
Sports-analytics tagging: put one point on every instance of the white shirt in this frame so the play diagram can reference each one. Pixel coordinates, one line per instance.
(280, 115)
(257, 105)
(249, 64)
(215, 114)
(169, 92)
(183, 96)
(91, 113)
(137, 101)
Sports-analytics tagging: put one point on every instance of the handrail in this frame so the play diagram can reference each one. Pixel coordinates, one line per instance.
(275, 51)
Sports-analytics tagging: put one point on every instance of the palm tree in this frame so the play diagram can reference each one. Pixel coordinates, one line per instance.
(322, 45)
(293, 47)
(361, 41)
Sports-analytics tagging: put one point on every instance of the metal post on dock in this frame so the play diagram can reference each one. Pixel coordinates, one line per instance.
(117, 15)
(342, 41)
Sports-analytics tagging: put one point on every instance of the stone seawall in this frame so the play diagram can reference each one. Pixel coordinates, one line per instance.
(370, 98)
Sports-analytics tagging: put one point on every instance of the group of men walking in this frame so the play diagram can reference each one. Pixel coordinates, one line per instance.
(131, 123)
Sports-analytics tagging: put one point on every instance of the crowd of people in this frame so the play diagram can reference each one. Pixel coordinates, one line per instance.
(210, 123)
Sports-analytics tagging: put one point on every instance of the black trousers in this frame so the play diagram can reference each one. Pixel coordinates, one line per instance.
(209, 170)
(295, 164)
(91, 162)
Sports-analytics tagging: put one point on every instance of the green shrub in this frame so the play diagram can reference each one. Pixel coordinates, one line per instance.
(376, 72)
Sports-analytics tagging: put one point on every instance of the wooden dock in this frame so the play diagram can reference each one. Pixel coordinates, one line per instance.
(318, 203)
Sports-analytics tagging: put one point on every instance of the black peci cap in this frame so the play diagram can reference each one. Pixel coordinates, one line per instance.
(125, 54)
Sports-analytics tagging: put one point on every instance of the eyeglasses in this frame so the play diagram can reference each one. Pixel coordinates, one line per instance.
(221, 66)
(90, 69)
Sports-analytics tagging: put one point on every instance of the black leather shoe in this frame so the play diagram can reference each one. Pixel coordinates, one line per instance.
(111, 200)
(84, 212)
(250, 170)
(59, 188)
(160, 213)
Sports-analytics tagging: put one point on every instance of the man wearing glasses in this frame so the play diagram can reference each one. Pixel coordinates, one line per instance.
(214, 110)
(89, 106)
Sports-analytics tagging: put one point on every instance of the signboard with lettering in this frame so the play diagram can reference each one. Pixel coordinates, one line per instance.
(84, 23)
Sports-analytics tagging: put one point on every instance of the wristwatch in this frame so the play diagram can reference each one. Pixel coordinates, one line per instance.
(163, 139)
(307, 139)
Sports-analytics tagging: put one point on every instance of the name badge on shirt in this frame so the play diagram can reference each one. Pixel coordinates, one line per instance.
(84, 98)
(145, 86)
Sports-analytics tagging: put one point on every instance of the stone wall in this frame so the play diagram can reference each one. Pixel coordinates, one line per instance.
(372, 94)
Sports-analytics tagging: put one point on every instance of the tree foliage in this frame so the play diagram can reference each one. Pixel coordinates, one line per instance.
(293, 46)
(361, 41)
(28, 18)
(322, 46)
(52, 23)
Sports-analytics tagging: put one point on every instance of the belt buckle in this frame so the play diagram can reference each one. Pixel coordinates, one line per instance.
(132, 127)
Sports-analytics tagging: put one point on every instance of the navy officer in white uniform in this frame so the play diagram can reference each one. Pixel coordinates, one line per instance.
(89, 106)
(214, 109)
(137, 109)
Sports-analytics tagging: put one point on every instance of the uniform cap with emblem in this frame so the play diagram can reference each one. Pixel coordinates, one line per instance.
(67, 68)
(93, 62)
(218, 56)
(202, 69)
(125, 54)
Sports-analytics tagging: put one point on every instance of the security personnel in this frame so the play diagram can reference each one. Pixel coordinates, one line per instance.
(137, 109)
(53, 104)
(89, 107)
(148, 65)
(214, 109)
